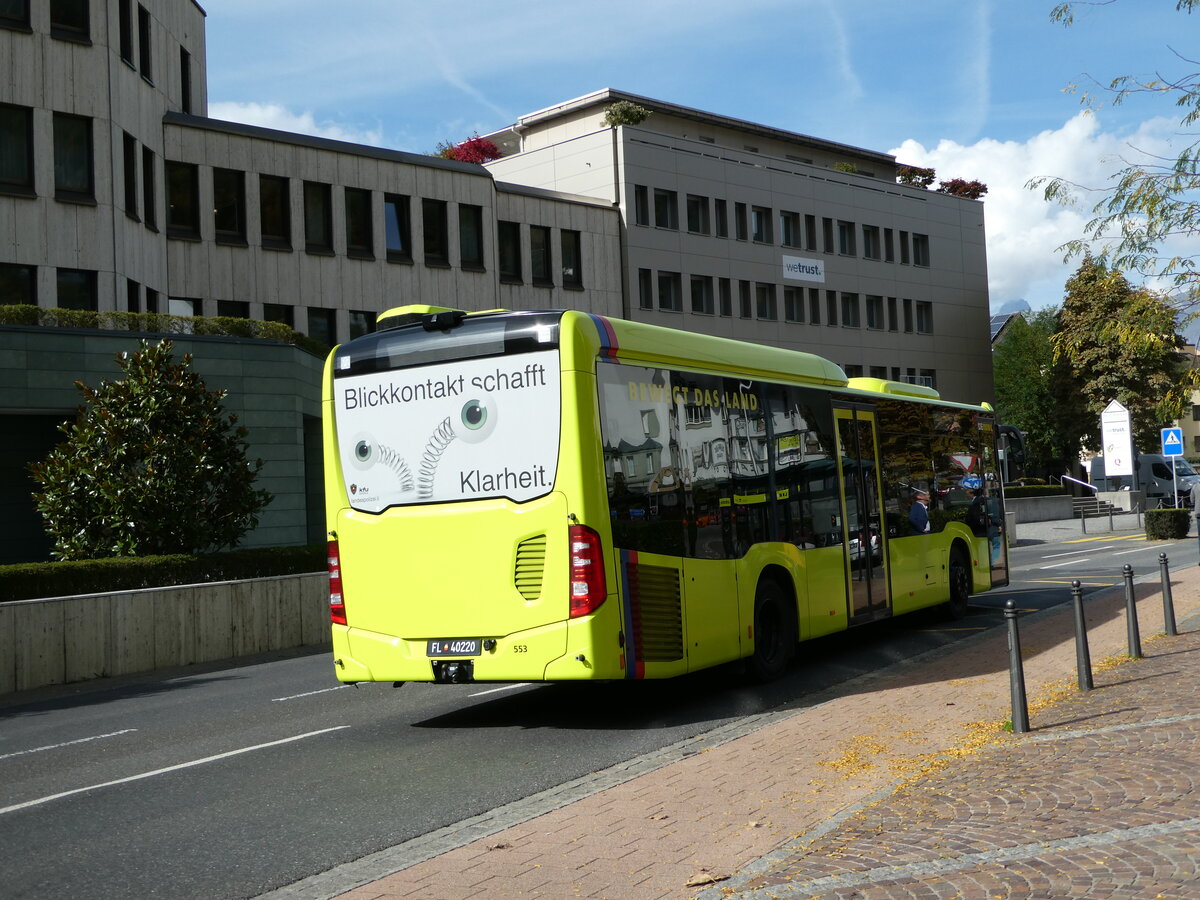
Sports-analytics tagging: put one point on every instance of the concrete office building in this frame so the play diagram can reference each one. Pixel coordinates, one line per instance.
(740, 229)
(118, 193)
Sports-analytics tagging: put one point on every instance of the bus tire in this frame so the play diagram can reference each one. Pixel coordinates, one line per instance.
(774, 633)
(959, 576)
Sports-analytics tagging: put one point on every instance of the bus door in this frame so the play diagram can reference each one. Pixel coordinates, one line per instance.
(997, 525)
(864, 538)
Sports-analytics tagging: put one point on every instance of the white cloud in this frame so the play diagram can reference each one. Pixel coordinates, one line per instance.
(1023, 230)
(273, 115)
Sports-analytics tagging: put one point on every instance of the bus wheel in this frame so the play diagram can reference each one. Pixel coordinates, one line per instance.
(774, 636)
(960, 584)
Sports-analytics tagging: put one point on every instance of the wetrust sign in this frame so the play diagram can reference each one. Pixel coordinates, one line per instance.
(796, 268)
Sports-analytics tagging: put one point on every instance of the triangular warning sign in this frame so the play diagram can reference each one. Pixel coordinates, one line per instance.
(966, 462)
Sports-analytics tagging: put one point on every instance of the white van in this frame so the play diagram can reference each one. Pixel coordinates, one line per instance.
(1153, 477)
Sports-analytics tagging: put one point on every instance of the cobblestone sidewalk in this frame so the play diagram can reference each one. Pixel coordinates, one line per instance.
(1100, 801)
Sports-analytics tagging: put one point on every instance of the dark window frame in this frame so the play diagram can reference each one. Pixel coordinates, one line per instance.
(129, 151)
(125, 33)
(229, 206)
(65, 189)
(435, 233)
(470, 237)
(360, 223)
(149, 193)
(183, 200)
(318, 218)
(275, 212)
(23, 184)
(185, 80)
(508, 252)
(541, 256)
(18, 22)
(571, 259)
(145, 49)
(23, 273)
(397, 229)
(89, 289)
(70, 20)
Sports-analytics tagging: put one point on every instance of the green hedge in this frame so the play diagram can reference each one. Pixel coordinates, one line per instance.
(1167, 524)
(158, 323)
(1034, 490)
(29, 581)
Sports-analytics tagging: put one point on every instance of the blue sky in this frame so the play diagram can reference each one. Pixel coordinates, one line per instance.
(975, 88)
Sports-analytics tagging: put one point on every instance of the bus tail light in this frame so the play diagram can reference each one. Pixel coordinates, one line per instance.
(337, 605)
(588, 586)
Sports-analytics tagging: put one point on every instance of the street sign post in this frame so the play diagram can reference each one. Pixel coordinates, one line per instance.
(1172, 442)
(1172, 447)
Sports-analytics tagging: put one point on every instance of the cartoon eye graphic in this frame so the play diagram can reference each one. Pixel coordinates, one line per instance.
(476, 421)
(364, 452)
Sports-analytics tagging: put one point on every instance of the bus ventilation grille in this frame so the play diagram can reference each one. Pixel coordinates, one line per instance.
(657, 614)
(531, 563)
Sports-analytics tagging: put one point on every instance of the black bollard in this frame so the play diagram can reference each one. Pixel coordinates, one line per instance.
(1131, 621)
(1168, 602)
(1016, 672)
(1083, 658)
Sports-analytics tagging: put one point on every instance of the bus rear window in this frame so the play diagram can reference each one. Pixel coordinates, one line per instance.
(472, 338)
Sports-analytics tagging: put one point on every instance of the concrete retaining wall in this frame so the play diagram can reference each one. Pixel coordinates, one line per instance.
(1040, 509)
(67, 639)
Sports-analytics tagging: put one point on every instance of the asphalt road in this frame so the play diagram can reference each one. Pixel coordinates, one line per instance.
(230, 783)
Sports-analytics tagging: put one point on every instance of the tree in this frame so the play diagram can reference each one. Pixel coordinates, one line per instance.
(625, 112)
(915, 176)
(920, 177)
(1121, 342)
(960, 187)
(1041, 395)
(151, 465)
(474, 149)
(1152, 199)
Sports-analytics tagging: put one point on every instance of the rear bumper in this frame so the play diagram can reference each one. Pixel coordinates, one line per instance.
(559, 651)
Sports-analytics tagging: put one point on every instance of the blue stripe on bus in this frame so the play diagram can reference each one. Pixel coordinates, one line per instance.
(628, 557)
(608, 337)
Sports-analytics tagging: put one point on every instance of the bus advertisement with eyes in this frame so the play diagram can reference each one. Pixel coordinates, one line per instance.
(460, 431)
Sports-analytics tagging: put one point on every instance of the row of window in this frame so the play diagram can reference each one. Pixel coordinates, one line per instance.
(709, 216)
(74, 167)
(77, 289)
(74, 181)
(761, 300)
(358, 208)
(926, 377)
(70, 20)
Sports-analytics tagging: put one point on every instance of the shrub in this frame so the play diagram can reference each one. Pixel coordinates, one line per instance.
(158, 323)
(1167, 524)
(152, 464)
(30, 581)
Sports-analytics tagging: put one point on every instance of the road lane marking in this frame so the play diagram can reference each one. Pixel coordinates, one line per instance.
(95, 737)
(1107, 537)
(164, 771)
(1076, 552)
(309, 693)
(507, 687)
(1081, 583)
(1069, 562)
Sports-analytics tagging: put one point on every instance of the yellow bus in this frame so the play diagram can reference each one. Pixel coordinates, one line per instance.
(554, 496)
